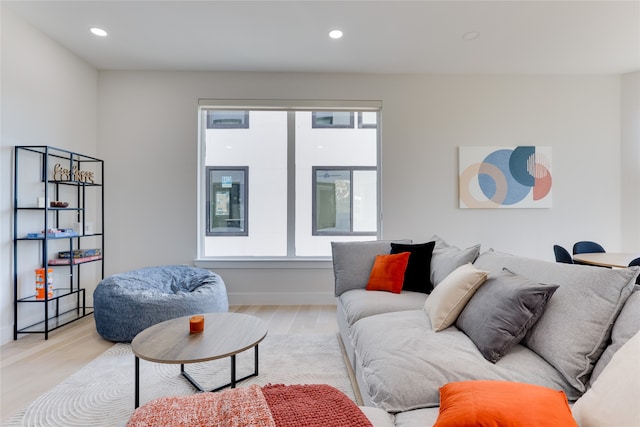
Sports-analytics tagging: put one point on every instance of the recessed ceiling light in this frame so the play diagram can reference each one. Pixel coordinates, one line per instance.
(471, 35)
(335, 34)
(98, 31)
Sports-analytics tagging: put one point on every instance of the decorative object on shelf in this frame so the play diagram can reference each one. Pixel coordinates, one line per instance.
(58, 204)
(73, 174)
(44, 284)
(505, 177)
(42, 202)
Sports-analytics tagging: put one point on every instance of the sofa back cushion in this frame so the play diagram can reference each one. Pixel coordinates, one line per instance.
(627, 325)
(576, 325)
(446, 258)
(352, 262)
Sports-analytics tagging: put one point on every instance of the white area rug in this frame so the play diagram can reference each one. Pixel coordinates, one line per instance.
(102, 392)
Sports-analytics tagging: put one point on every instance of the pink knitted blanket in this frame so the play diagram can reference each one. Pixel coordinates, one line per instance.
(316, 405)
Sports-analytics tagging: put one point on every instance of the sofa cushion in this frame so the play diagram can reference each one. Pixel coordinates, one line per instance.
(502, 311)
(574, 329)
(359, 303)
(417, 277)
(404, 362)
(627, 325)
(447, 300)
(613, 398)
(352, 262)
(447, 258)
(500, 403)
(387, 273)
(424, 417)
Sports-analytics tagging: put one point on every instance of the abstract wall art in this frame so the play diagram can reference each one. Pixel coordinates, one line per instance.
(505, 177)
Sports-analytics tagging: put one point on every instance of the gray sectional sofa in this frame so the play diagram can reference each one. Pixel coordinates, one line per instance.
(400, 362)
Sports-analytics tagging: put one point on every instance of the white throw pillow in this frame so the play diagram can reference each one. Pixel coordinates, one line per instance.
(449, 298)
(613, 398)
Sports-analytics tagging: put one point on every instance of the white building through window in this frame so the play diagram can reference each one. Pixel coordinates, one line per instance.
(284, 187)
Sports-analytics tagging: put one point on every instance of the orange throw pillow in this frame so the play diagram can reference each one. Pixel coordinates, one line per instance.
(502, 404)
(387, 273)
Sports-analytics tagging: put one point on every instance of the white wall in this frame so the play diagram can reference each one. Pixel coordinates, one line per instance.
(630, 162)
(148, 134)
(49, 97)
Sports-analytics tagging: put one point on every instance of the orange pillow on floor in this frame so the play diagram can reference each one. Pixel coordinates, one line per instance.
(502, 404)
(387, 273)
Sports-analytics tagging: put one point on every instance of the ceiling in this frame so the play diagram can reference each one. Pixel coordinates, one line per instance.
(515, 37)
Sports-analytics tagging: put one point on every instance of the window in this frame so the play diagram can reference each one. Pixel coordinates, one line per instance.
(292, 211)
(227, 119)
(332, 119)
(367, 119)
(344, 201)
(227, 197)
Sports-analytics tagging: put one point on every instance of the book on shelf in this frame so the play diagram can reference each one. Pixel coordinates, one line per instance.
(67, 261)
(80, 253)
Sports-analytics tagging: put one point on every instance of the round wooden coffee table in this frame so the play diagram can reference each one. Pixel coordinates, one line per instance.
(224, 335)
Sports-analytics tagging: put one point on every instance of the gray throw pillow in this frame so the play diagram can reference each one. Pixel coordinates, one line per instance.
(446, 258)
(501, 312)
(352, 262)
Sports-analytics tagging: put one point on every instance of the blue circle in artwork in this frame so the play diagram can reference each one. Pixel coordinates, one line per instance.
(516, 192)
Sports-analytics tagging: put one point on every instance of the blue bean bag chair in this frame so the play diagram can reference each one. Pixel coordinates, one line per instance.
(127, 303)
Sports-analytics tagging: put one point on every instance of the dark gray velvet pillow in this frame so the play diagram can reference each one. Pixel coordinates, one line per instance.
(502, 311)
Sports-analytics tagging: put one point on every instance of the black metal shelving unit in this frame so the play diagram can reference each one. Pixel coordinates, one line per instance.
(51, 173)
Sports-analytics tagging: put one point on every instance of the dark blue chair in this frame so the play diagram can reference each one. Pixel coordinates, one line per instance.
(562, 255)
(587, 247)
(636, 262)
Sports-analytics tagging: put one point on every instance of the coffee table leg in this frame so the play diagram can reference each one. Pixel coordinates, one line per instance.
(255, 362)
(234, 379)
(233, 371)
(137, 382)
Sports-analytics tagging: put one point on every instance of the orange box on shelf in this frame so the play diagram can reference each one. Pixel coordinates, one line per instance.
(43, 283)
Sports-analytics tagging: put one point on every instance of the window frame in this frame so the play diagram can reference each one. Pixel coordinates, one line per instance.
(245, 195)
(314, 201)
(364, 125)
(290, 260)
(211, 124)
(315, 124)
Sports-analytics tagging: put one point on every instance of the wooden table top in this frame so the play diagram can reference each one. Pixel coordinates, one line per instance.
(225, 334)
(607, 259)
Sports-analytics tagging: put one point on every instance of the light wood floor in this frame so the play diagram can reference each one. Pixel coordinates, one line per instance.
(30, 366)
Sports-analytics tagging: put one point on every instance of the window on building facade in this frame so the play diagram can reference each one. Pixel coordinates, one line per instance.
(344, 201)
(367, 119)
(227, 201)
(220, 119)
(288, 212)
(332, 119)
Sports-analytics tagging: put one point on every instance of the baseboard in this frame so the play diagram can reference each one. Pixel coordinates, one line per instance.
(281, 298)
